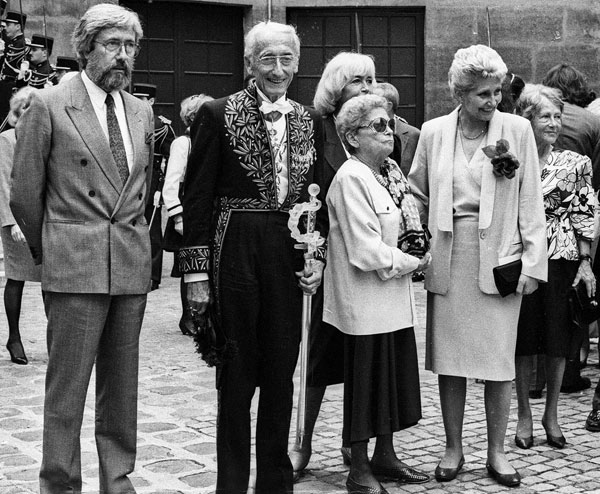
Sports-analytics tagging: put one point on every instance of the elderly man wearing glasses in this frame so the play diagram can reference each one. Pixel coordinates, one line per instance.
(253, 156)
(81, 172)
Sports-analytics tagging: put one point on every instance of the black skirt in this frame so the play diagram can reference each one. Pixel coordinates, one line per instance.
(546, 323)
(326, 348)
(381, 384)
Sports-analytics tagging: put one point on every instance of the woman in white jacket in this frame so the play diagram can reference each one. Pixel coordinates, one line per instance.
(375, 243)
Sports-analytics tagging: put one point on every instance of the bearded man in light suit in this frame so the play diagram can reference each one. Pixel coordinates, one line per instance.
(253, 156)
(81, 172)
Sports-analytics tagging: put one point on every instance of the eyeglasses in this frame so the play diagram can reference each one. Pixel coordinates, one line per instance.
(380, 125)
(271, 61)
(114, 45)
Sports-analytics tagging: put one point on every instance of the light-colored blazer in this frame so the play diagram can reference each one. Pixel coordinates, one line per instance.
(366, 287)
(7, 150)
(512, 222)
(86, 228)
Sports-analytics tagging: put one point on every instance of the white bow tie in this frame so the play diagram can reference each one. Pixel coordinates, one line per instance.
(282, 106)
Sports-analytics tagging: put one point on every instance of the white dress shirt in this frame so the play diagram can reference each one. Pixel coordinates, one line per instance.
(98, 97)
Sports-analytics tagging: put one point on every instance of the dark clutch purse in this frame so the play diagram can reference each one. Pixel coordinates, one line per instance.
(172, 241)
(585, 309)
(506, 277)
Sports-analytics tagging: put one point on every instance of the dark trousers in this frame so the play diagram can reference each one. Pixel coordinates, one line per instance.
(261, 308)
(155, 241)
(84, 329)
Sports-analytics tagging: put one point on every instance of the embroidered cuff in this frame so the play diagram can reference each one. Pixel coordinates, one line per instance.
(194, 259)
(321, 254)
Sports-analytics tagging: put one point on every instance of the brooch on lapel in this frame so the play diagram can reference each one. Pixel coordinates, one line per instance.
(504, 162)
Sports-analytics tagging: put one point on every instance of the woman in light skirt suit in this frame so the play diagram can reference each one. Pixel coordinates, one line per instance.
(482, 212)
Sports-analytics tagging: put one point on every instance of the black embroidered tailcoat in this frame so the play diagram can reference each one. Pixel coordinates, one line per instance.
(230, 170)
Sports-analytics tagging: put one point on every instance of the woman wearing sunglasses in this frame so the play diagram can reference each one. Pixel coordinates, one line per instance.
(375, 242)
(476, 176)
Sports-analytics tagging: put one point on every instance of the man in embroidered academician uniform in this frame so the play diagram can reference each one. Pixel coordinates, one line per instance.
(82, 168)
(253, 156)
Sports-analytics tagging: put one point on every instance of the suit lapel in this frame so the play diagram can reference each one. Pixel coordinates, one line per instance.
(82, 114)
(446, 163)
(488, 179)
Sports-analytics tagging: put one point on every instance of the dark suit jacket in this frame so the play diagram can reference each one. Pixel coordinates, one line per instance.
(85, 227)
(409, 137)
(581, 133)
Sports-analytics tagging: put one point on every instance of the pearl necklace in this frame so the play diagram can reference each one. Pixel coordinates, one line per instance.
(462, 131)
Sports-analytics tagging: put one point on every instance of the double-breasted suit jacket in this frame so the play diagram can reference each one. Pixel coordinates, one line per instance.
(512, 222)
(85, 227)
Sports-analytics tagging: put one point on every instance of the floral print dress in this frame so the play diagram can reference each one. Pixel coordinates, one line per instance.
(568, 202)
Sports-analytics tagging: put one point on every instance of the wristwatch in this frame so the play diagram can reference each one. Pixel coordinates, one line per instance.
(585, 257)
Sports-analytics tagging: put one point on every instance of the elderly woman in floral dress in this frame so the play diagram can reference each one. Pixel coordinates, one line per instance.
(546, 320)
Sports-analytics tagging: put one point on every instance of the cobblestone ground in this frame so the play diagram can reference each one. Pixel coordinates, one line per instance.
(177, 405)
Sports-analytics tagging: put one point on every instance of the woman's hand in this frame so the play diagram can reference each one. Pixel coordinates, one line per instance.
(586, 274)
(423, 263)
(526, 285)
(17, 234)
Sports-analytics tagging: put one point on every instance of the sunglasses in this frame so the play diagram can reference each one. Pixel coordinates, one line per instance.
(380, 125)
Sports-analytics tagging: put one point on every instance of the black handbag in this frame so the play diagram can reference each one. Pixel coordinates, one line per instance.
(585, 309)
(172, 241)
(507, 276)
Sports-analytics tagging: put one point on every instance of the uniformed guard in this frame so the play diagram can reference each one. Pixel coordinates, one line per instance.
(14, 61)
(41, 72)
(63, 66)
(163, 137)
(15, 51)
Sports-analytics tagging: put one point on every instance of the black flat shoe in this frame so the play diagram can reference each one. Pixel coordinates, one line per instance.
(186, 327)
(448, 474)
(18, 357)
(356, 488)
(400, 473)
(580, 384)
(505, 479)
(346, 455)
(524, 442)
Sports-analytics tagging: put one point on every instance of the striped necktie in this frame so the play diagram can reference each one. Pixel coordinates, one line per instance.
(115, 139)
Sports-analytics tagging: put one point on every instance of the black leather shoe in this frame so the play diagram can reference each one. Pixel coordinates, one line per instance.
(506, 479)
(18, 355)
(356, 488)
(346, 455)
(400, 473)
(524, 442)
(592, 423)
(448, 474)
(579, 385)
(554, 441)
(299, 459)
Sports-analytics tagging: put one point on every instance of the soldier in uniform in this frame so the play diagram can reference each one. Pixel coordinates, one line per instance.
(15, 52)
(41, 72)
(163, 137)
(63, 66)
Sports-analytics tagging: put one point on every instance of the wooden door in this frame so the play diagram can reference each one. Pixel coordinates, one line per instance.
(394, 36)
(189, 48)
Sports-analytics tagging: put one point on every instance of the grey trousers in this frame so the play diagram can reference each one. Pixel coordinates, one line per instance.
(84, 329)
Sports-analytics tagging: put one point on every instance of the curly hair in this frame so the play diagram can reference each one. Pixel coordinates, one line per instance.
(472, 63)
(353, 113)
(532, 97)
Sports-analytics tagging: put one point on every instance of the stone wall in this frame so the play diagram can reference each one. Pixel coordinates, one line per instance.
(531, 35)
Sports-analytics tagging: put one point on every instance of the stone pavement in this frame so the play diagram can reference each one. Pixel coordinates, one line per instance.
(177, 404)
